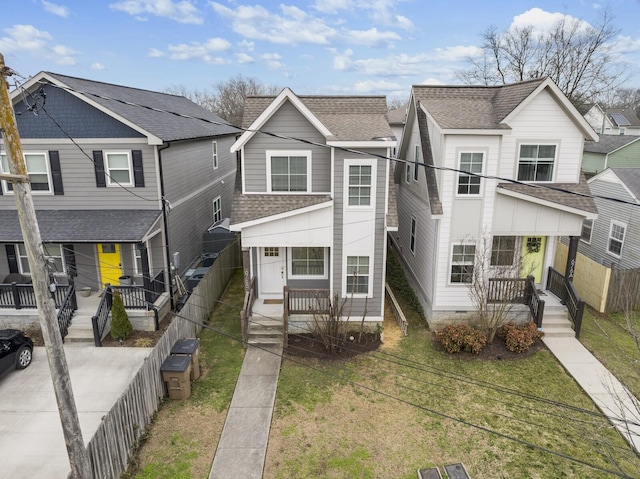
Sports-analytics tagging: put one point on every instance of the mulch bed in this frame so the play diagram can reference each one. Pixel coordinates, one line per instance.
(307, 346)
(496, 351)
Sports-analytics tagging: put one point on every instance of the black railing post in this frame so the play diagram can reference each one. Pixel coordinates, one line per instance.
(16, 295)
(96, 332)
(577, 324)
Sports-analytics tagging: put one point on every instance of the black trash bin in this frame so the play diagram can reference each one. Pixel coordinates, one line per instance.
(191, 348)
(176, 371)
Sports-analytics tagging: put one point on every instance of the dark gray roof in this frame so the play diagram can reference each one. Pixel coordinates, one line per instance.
(348, 118)
(252, 207)
(554, 193)
(166, 126)
(630, 177)
(473, 107)
(82, 226)
(609, 143)
(397, 116)
(626, 114)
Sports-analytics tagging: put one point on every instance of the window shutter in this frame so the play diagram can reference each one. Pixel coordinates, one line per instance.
(56, 173)
(98, 164)
(12, 258)
(70, 260)
(138, 173)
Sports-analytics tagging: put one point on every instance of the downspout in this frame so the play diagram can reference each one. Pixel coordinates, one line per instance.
(165, 222)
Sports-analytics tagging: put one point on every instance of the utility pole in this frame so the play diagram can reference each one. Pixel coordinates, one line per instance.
(78, 458)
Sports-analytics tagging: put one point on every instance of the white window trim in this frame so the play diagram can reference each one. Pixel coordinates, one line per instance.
(538, 143)
(413, 233)
(484, 162)
(624, 236)
(306, 153)
(307, 276)
(214, 152)
(217, 200)
(55, 273)
(374, 175)
(590, 233)
(107, 170)
(407, 173)
(462, 284)
(416, 159)
(134, 256)
(369, 293)
(5, 187)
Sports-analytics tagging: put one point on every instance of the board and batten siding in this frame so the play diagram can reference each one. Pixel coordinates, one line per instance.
(375, 304)
(289, 122)
(79, 179)
(608, 210)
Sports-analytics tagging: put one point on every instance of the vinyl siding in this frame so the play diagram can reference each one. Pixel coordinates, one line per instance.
(289, 122)
(627, 157)
(593, 162)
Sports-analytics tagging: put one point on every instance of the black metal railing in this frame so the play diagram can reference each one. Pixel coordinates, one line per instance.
(308, 301)
(99, 321)
(67, 310)
(157, 286)
(536, 305)
(133, 297)
(568, 295)
(555, 283)
(22, 296)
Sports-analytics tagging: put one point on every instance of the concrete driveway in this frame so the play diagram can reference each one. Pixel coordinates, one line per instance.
(31, 438)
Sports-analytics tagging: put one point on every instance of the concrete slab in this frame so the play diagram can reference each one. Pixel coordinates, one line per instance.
(255, 391)
(31, 438)
(227, 461)
(246, 428)
(261, 361)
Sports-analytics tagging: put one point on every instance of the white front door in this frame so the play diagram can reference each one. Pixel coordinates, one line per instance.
(272, 270)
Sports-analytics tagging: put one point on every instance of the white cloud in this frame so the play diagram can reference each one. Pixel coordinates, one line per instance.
(372, 37)
(155, 53)
(405, 23)
(272, 61)
(58, 10)
(373, 86)
(182, 11)
(246, 45)
(431, 81)
(27, 38)
(626, 44)
(332, 6)
(342, 61)
(381, 11)
(457, 53)
(200, 51)
(243, 58)
(293, 26)
(541, 20)
(97, 66)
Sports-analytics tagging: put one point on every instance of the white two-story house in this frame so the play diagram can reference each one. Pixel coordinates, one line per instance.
(463, 146)
(313, 201)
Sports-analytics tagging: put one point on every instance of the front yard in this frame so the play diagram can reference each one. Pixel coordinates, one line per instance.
(387, 413)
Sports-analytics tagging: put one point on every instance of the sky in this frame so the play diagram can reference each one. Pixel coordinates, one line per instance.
(311, 46)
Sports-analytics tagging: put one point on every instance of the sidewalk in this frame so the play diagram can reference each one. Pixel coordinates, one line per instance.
(611, 397)
(243, 444)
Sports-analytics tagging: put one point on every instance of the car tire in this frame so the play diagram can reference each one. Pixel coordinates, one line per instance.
(24, 357)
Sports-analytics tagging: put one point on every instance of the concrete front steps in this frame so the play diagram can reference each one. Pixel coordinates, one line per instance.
(264, 332)
(556, 322)
(80, 331)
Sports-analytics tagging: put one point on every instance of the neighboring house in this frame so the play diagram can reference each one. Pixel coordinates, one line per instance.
(100, 166)
(313, 202)
(397, 118)
(466, 136)
(613, 121)
(614, 237)
(611, 151)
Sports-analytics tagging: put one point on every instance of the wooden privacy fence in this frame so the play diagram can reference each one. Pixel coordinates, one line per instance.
(122, 427)
(624, 290)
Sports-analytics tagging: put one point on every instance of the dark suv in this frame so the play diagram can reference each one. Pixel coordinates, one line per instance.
(16, 350)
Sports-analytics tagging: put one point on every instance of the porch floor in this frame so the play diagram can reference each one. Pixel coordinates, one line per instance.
(270, 310)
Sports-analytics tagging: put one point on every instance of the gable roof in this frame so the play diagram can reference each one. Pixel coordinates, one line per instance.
(630, 177)
(337, 118)
(157, 118)
(609, 143)
(488, 107)
(397, 116)
(623, 117)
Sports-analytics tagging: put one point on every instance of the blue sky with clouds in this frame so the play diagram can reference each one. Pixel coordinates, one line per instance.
(312, 46)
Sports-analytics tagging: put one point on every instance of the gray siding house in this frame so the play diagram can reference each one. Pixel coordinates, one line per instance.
(313, 201)
(124, 180)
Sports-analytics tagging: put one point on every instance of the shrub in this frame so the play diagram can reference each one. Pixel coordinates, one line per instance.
(120, 325)
(520, 338)
(461, 337)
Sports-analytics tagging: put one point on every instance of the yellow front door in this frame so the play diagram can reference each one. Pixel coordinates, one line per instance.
(533, 256)
(109, 263)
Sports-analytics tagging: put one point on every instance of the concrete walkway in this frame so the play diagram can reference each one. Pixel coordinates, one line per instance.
(611, 397)
(243, 444)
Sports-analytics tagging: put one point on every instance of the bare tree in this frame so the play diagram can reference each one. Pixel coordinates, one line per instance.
(575, 55)
(396, 102)
(226, 99)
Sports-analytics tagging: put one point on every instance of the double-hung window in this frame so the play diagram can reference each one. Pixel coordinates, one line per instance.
(359, 185)
(462, 262)
(412, 239)
(37, 169)
(53, 255)
(503, 249)
(587, 229)
(357, 277)
(118, 168)
(214, 151)
(470, 168)
(536, 162)
(616, 237)
(217, 209)
(416, 162)
(289, 171)
(407, 172)
(308, 262)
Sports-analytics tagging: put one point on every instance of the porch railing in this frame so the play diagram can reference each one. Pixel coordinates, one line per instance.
(19, 296)
(568, 295)
(157, 286)
(67, 310)
(247, 311)
(536, 305)
(99, 321)
(308, 301)
(509, 290)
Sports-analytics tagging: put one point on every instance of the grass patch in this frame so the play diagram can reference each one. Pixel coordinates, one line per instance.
(608, 339)
(403, 291)
(183, 438)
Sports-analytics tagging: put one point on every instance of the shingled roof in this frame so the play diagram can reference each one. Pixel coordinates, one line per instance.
(609, 143)
(473, 107)
(630, 177)
(246, 208)
(560, 193)
(166, 126)
(348, 118)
